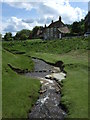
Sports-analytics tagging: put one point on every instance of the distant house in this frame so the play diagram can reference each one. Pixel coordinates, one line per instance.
(55, 30)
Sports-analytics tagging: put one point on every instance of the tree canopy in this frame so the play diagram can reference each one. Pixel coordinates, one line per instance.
(8, 36)
(22, 35)
(78, 27)
(34, 31)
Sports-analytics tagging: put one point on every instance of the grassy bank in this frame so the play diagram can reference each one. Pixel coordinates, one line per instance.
(52, 46)
(18, 61)
(19, 93)
(74, 54)
(75, 86)
(75, 91)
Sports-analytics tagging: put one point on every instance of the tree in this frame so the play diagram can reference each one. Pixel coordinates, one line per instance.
(8, 36)
(76, 27)
(82, 24)
(34, 31)
(22, 35)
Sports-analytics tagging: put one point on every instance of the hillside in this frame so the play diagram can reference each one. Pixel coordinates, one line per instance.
(74, 54)
(16, 89)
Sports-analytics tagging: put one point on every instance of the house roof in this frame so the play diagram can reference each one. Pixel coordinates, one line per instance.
(64, 29)
(59, 25)
(56, 24)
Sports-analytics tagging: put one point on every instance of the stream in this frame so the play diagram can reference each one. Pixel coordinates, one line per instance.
(48, 104)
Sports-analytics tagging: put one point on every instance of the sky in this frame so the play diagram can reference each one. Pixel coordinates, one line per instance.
(27, 14)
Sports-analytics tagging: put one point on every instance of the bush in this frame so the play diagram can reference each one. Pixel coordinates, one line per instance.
(8, 36)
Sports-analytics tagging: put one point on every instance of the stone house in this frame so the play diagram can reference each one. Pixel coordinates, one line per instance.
(55, 30)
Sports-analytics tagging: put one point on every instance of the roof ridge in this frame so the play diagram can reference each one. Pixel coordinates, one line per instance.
(55, 23)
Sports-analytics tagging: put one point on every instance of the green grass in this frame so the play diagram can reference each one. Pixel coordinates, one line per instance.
(52, 46)
(18, 61)
(75, 89)
(75, 92)
(74, 54)
(16, 89)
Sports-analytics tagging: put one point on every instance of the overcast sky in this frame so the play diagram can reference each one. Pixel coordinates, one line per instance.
(26, 15)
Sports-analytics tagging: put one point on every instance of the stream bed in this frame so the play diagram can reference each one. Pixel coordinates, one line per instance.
(48, 104)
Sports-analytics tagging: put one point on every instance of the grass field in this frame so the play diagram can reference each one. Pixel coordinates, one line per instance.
(74, 54)
(19, 93)
(52, 46)
(75, 89)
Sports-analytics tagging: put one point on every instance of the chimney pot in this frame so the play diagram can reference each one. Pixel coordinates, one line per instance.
(60, 18)
(45, 25)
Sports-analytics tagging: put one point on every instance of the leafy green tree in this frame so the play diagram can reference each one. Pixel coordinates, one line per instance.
(34, 31)
(82, 25)
(22, 35)
(76, 27)
(30, 35)
(17, 36)
(8, 36)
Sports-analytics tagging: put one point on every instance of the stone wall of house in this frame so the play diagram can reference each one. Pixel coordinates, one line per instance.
(51, 33)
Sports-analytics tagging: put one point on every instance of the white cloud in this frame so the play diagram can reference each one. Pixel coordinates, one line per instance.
(53, 9)
(68, 13)
(15, 24)
(21, 5)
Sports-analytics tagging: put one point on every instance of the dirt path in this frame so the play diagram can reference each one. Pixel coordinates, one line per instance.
(48, 104)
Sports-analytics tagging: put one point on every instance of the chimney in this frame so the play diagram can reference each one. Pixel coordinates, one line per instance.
(52, 21)
(60, 18)
(45, 26)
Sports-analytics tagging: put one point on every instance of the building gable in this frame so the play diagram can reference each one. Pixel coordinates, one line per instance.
(55, 30)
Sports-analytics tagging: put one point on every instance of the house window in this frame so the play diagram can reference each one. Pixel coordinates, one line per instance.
(55, 36)
(51, 32)
(51, 29)
(60, 35)
(55, 29)
(47, 31)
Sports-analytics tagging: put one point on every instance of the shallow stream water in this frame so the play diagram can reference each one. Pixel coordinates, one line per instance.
(48, 104)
